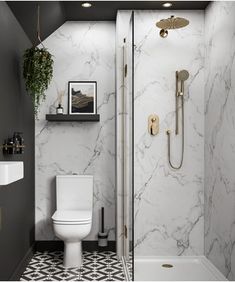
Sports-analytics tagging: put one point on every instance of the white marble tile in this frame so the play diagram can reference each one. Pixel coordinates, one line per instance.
(82, 51)
(220, 136)
(169, 215)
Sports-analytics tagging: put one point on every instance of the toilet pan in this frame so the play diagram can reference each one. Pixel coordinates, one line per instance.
(72, 227)
(72, 235)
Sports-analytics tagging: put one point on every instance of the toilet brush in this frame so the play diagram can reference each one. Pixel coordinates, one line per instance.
(102, 235)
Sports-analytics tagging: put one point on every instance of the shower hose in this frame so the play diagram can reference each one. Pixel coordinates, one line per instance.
(169, 139)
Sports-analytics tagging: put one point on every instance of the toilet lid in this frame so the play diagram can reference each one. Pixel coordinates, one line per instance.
(72, 216)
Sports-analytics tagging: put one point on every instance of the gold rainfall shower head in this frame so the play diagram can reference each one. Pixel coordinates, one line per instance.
(171, 23)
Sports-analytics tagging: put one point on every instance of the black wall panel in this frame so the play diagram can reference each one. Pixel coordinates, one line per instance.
(16, 114)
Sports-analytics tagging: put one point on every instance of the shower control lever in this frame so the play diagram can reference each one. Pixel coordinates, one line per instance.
(153, 124)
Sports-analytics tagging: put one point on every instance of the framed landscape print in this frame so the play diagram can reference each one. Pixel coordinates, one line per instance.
(82, 97)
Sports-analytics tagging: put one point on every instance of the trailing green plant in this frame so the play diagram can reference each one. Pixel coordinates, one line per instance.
(37, 72)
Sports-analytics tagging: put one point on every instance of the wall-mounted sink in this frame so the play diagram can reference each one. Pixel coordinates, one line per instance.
(10, 172)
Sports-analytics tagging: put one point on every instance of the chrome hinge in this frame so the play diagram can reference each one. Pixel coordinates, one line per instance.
(125, 70)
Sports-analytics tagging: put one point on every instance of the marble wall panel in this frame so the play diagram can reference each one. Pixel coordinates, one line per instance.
(82, 51)
(169, 208)
(220, 136)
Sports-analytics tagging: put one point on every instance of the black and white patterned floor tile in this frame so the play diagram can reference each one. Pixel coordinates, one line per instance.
(129, 266)
(97, 266)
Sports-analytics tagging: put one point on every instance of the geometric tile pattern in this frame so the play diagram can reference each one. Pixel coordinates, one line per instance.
(97, 266)
(129, 265)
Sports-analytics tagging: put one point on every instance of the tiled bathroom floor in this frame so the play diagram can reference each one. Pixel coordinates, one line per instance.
(97, 266)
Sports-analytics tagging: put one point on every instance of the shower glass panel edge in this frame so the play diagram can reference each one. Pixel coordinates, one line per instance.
(128, 80)
(124, 139)
(129, 204)
(132, 146)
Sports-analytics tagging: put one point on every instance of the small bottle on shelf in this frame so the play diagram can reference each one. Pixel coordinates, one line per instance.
(59, 110)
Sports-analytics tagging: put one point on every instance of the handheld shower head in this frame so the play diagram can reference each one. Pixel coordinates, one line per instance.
(183, 75)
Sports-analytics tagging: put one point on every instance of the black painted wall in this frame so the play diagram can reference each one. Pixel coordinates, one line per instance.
(16, 114)
(52, 16)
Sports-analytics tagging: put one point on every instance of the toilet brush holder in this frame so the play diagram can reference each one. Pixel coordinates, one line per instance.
(103, 239)
(102, 235)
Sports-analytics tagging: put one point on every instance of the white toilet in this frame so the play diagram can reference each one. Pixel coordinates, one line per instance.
(73, 217)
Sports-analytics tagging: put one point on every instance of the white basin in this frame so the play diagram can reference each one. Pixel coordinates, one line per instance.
(10, 172)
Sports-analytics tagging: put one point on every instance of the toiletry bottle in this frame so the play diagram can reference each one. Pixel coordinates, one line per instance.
(59, 110)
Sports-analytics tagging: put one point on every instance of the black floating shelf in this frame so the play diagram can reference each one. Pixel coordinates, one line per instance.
(73, 117)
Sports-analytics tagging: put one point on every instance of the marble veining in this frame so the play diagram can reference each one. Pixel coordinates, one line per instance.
(169, 204)
(82, 51)
(220, 137)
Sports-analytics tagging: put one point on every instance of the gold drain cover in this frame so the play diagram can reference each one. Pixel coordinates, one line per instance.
(167, 265)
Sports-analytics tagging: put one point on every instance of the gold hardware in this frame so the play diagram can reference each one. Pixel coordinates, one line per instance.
(12, 146)
(12, 149)
(153, 124)
(180, 94)
(181, 77)
(163, 33)
(125, 231)
(125, 70)
(170, 23)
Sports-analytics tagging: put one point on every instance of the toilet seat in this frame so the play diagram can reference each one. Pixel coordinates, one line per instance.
(72, 217)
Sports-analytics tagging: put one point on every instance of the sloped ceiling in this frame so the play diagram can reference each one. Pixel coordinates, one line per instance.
(52, 16)
(54, 13)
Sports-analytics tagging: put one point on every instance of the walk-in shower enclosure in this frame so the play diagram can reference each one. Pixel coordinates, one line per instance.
(189, 212)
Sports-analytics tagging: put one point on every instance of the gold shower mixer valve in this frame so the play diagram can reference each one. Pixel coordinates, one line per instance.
(153, 124)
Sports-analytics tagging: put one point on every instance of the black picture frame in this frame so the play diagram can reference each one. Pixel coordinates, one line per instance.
(88, 101)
